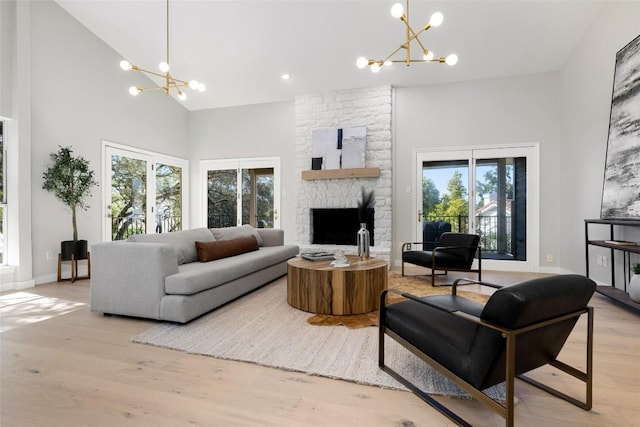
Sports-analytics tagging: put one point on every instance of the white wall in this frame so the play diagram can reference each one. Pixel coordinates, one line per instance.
(263, 130)
(585, 84)
(520, 109)
(16, 108)
(79, 97)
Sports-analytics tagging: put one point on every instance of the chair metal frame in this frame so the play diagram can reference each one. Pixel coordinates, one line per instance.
(434, 268)
(510, 335)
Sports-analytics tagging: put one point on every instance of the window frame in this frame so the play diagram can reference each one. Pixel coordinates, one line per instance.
(470, 154)
(154, 158)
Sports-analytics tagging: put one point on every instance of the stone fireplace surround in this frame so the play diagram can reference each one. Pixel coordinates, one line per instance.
(369, 107)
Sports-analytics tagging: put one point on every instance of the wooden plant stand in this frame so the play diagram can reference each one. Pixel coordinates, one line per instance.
(74, 269)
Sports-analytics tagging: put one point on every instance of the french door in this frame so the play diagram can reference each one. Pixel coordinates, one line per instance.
(489, 191)
(241, 191)
(144, 192)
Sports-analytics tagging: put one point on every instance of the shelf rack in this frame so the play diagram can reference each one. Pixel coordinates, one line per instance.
(618, 295)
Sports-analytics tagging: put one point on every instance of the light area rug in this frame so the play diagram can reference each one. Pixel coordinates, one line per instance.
(262, 328)
(415, 285)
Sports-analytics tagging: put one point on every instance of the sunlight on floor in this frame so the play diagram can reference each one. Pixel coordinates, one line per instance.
(23, 308)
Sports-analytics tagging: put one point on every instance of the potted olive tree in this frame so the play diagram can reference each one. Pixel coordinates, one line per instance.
(69, 178)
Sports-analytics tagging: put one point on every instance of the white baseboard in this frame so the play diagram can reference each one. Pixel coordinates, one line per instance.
(47, 278)
(16, 286)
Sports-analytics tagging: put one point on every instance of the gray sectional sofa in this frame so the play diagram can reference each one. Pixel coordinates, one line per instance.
(159, 276)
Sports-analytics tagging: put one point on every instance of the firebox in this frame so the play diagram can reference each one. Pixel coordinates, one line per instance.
(338, 226)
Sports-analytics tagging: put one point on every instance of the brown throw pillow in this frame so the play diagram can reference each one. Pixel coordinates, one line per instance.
(209, 251)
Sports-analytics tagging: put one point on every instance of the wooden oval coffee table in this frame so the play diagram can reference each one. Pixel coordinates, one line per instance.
(317, 287)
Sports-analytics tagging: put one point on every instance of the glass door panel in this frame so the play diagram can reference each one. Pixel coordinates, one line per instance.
(257, 197)
(222, 198)
(128, 199)
(445, 195)
(500, 211)
(168, 208)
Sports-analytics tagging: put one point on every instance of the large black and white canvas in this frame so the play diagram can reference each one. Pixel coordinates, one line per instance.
(621, 191)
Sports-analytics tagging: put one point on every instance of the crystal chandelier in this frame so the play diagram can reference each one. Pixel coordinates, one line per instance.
(169, 81)
(398, 11)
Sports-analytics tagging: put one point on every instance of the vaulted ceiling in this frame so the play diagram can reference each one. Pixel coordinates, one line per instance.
(239, 49)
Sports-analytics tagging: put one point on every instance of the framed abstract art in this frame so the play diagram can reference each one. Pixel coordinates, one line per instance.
(621, 188)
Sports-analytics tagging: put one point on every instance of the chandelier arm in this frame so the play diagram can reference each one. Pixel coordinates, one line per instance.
(408, 33)
(420, 32)
(402, 46)
(182, 82)
(146, 89)
(177, 86)
(420, 60)
(405, 45)
(414, 35)
(148, 72)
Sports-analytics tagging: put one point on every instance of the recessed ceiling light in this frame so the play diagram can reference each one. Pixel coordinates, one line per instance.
(285, 77)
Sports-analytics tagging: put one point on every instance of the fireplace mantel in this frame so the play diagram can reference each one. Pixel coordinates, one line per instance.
(341, 173)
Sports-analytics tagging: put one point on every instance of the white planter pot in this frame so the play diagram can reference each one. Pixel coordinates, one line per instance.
(634, 288)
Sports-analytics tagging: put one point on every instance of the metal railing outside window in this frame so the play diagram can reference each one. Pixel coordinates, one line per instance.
(486, 228)
(126, 226)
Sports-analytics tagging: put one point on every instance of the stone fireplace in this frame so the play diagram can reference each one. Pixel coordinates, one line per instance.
(370, 108)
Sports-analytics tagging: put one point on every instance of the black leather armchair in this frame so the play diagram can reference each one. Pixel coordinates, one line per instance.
(431, 232)
(520, 328)
(454, 251)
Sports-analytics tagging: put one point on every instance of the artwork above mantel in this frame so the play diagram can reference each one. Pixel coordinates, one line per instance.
(338, 148)
(312, 175)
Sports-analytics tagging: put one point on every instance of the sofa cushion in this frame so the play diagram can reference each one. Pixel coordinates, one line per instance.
(228, 233)
(196, 277)
(182, 242)
(210, 251)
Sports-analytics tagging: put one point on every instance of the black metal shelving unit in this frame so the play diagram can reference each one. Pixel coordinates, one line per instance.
(619, 295)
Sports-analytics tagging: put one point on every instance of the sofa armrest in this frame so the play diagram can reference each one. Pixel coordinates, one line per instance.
(271, 236)
(127, 278)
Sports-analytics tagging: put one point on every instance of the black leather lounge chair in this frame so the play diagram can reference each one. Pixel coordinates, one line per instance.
(455, 252)
(431, 232)
(520, 328)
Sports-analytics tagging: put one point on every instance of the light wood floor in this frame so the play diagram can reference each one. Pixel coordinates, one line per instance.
(80, 369)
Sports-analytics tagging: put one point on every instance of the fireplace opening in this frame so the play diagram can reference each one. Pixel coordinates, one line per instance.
(338, 226)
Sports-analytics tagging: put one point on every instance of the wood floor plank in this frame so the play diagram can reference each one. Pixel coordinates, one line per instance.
(80, 368)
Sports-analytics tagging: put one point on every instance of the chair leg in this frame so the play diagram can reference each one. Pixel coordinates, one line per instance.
(510, 379)
(584, 376)
(415, 390)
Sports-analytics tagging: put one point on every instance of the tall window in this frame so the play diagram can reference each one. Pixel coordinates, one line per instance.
(485, 191)
(144, 192)
(3, 197)
(244, 191)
